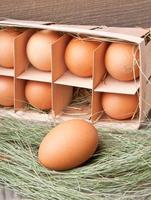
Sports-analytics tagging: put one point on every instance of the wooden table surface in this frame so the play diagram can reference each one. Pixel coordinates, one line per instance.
(92, 12)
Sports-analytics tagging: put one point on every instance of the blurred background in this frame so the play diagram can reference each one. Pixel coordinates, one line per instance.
(92, 12)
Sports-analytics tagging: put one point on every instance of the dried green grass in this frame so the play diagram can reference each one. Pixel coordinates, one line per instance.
(120, 169)
(80, 104)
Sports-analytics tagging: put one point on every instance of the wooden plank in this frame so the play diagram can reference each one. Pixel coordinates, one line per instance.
(96, 12)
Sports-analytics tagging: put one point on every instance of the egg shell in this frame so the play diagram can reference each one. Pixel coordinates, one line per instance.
(39, 49)
(38, 94)
(7, 37)
(79, 56)
(119, 106)
(119, 61)
(68, 145)
(6, 91)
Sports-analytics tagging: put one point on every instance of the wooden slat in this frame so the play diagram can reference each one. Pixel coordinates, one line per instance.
(96, 12)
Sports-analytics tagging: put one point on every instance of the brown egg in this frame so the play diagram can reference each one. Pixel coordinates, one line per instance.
(38, 94)
(7, 37)
(68, 145)
(119, 61)
(119, 106)
(39, 49)
(6, 91)
(79, 57)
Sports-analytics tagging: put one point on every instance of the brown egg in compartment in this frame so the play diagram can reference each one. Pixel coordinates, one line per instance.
(68, 145)
(119, 61)
(79, 56)
(39, 49)
(7, 38)
(119, 106)
(6, 91)
(38, 94)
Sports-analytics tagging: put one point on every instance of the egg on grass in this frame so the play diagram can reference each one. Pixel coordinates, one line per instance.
(68, 145)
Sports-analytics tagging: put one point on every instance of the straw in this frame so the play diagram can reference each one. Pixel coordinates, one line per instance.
(120, 168)
(81, 103)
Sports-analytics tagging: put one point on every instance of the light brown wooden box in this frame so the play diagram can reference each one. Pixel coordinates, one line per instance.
(62, 80)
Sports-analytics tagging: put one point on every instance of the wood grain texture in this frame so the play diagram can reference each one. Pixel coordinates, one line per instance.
(91, 12)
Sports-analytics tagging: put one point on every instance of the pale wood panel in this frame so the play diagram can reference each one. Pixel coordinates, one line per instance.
(96, 12)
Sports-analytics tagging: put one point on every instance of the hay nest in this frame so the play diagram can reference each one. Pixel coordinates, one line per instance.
(120, 169)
